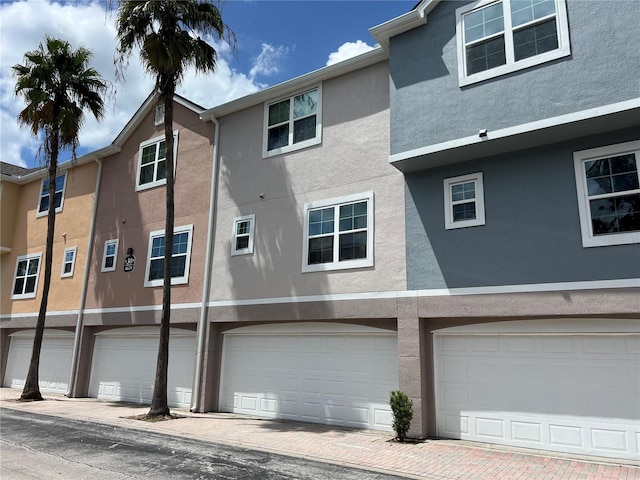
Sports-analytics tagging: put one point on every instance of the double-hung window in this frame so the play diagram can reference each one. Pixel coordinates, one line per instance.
(293, 123)
(25, 281)
(242, 242)
(110, 255)
(43, 205)
(609, 194)
(68, 262)
(463, 201)
(338, 233)
(180, 258)
(152, 162)
(498, 37)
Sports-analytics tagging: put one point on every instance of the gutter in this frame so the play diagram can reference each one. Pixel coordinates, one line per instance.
(196, 403)
(85, 283)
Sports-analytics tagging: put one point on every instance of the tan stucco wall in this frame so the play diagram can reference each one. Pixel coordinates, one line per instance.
(352, 159)
(29, 236)
(130, 216)
(9, 194)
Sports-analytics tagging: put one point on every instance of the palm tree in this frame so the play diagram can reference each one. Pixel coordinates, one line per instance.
(57, 85)
(167, 33)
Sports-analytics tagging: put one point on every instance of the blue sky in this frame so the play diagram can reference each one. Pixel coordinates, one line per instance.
(276, 41)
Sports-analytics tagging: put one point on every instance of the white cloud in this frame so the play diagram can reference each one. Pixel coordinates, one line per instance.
(267, 62)
(24, 24)
(348, 50)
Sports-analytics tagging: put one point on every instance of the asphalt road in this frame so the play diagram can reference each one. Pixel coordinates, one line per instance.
(45, 447)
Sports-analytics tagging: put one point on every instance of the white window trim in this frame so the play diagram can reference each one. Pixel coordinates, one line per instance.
(297, 146)
(15, 271)
(477, 178)
(243, 251)
(563, 50)
(586, 228)
(336, 264)
(174, 280)
(64, 188)
(73, 262)
(157, 183)
(104, 268)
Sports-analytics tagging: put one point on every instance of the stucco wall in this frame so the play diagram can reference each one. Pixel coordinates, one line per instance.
(30, 233)
(130, 216)
(429, 107)
(532, 231)
(352, 159)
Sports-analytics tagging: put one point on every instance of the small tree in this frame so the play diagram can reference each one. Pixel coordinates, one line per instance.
(402, 409)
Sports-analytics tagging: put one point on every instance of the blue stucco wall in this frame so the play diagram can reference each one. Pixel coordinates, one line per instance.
(429, 107)
(532, 231)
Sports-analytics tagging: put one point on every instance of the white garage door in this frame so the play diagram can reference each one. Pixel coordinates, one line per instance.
(324, 373)
(124, 365)
(55, 360)
(542, 385)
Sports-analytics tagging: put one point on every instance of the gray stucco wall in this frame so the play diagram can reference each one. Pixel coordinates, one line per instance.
(532, 231)
(429, 107)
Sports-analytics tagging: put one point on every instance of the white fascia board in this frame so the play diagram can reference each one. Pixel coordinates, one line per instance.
(299, 83)
(547, 124)
(408, 21)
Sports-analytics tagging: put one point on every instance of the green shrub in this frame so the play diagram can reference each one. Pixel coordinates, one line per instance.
(402, 409)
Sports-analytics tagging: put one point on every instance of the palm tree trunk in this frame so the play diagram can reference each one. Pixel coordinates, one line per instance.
(159, 403)
(31, 389)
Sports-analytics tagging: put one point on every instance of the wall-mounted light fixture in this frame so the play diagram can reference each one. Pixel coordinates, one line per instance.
(129, 251)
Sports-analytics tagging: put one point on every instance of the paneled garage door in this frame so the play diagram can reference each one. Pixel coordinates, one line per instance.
(324, 373)
(124, 365)
(540, 385)
(55, 360)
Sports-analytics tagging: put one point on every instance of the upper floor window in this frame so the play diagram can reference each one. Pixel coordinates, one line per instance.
(243, 228)
(609, 194)
(293, 123)
(152, 162)
(498, 37)
(43, 206)
(110, 256)
(68, 262)
(180, 258)
(338, 233)
(25, 281)
(463, 201)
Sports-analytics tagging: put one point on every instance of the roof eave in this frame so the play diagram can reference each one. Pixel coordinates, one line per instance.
(408, 21)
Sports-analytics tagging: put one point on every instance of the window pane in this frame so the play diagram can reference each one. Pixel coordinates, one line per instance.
(149, 154)
(33, 266)
(242, 228)
(484, 22)
(486, 55)
(598, 186)
(157, 247)
(44, 204)
(353, 216)
(305, 104)
(68, 257)
(623, 164)
(242, 242)
(320, 250)
(17, 290)
(30, 285)
(178, 266)
(162, 153)
(111, 249)
(60, 182)
(304, 129)
(58, 199)
(108, 262)
(21, 270)
(535, 40)
(278, 137)
(67, 268)
(156, 269)
(180, 243)
(279, 112)
(146, 174)
(162, 170)
(463, 191)
(597, 168)
(523, 11)
(353, 246)
(321, 221)
(628, 181)
(616, 214)
(465, 211)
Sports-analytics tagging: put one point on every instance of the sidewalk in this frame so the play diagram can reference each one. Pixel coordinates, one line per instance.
(432, 459)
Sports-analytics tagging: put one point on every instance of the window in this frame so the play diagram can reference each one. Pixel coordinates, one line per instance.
(608, 194)
(159, 118)
(152, 162)
(68, 262)
(495, 38)
(43, 206)
(25, 282)
(243, 235)
(463, 201)
(180, 258)
(110, 257)
(293, 123)
(338, 233)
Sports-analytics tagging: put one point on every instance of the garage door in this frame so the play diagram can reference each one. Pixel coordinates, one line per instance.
(124, 365)
(560, 386)
(55, 360)
(324, 373)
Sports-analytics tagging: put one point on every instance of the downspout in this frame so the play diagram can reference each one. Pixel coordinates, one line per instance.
(196, 403)
(85, 283)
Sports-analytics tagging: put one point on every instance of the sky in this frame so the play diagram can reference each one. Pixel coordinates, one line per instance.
(276, 42)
